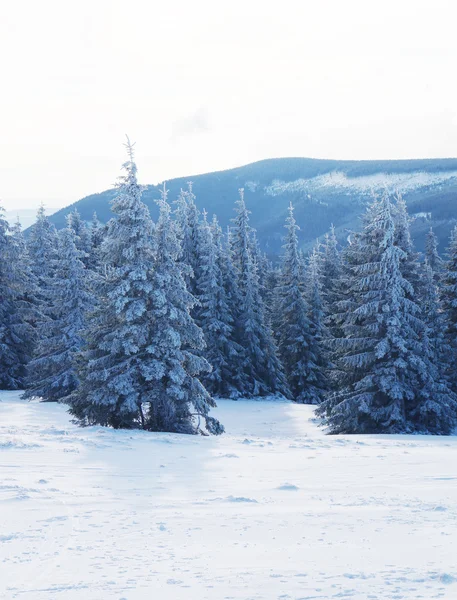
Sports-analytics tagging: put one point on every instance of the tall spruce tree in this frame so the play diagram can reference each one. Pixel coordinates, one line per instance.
(178, 399)
(214, 316)
(390, 384)
(110, 366)
(431, 254)
(262, 366)
(410, 266)
(16, 311)
(52, 374)
(241, 385)
(230, 276)
(449, 303)
(181, 214)
(96, 233)
(27, 304)
(138, 369)
(435, 409)
(330, 269)
(240, 239)
(188, 218)
(9, 344)
(434, 397)
(318, 356)
(435, 321)
(42, 248)
(82, 235)
(271, 278)
(292, 318)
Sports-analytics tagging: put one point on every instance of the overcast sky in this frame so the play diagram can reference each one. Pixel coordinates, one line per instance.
(203, 85)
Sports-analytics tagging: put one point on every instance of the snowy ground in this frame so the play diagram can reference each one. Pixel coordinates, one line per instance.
(272, 509)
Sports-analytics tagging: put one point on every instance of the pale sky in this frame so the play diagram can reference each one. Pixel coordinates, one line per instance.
(204, 85)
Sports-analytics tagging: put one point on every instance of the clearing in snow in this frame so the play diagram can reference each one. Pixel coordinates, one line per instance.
(271, 509)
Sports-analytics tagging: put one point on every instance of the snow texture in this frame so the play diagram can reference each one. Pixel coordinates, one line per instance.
(273, 509)
(366, 184)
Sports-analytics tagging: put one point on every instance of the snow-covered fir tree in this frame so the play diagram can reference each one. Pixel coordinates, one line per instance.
(292, 320)
(431, 254)
(317, 357)
(263, 267)
(27, 303)
(214, 316)
(262, 366)
(230, 274)
(233, 296)
(391, 385)
(181, 215)
(271, 283)
(449, 304)
(139, 369)
(82, 235)
(117, 336)
(435, 321)
(206, 282)
(187, 217)
(96, 237)
(435, 409)
(330, 269)
(9, 344)
(409, 262)
(178, 400)
(17, 307)
(436, 385)
(52, 374)
(240, 239)
(42, 247)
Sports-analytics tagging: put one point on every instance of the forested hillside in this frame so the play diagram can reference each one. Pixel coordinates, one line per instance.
(322, 191)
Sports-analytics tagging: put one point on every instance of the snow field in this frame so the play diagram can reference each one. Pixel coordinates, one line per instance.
(273, 509)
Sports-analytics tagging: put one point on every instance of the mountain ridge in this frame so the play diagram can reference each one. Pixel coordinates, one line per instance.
(323, 191)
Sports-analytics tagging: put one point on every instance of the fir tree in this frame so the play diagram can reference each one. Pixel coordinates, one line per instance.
(330, 269)
(82, 235)
(317, 355)
(272, 279)
(435, 409)
(187, 217)
(139, 369)
(16, 314)
(261, 365)
(234, 302)
(230, 274)
(96, 238)
(241, 240)
(178, 399)
(409, 262)
(263, 267)
(42, 248)
(110, 366)
(52, 375)
(27, 305)
(435, 321)
(434, 400)
(293, 324)
(449, 302)
(391, 385)
(431, 254)
(214, 316)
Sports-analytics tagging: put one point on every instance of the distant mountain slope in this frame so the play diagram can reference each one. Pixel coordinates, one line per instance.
(322, 191)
